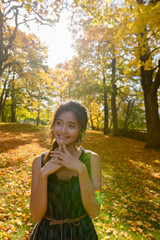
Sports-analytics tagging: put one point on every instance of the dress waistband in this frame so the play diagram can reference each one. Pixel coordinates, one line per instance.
(74, 221)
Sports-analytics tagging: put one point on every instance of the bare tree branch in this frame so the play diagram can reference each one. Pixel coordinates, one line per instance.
(13, 8)
(154, 50)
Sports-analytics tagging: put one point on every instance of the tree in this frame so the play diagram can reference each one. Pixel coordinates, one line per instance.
(64, 80)
(27, 85)
(142, 26)
(15, 46)
(99, 26)
(137, 24)
(17, 13)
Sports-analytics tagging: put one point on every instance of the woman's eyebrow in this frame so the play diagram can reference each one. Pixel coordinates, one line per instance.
(70, 122)
(73, 123)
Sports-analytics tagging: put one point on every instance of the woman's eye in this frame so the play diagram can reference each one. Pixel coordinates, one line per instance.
(71, 126)
(58, 123)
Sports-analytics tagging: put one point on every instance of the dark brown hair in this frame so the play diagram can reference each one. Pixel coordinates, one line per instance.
(80, 113)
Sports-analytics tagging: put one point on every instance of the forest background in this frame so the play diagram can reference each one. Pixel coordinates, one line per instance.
(115, 71)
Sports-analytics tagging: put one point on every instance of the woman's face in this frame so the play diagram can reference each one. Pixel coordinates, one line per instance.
(66, 128)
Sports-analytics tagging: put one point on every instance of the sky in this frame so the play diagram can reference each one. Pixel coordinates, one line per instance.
(58, 40)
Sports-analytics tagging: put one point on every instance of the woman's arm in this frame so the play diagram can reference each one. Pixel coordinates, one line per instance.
(38, 202)
(89, 187)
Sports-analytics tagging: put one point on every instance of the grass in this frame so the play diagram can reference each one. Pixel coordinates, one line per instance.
(131, 183)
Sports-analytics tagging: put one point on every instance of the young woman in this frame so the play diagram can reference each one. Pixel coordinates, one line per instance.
(65, 181)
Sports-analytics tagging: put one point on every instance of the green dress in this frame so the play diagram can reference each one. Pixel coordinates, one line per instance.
(64, 202)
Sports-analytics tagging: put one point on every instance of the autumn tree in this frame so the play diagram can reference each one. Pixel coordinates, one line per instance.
(27, 83)
(138, 35)
(99, 24)
(90, 73)
(141, 24)
(63, 79)
(14, 14)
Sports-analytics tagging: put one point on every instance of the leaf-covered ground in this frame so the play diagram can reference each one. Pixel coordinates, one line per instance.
(131, 183)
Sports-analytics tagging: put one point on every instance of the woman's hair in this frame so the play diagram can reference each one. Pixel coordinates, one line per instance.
(80, 113)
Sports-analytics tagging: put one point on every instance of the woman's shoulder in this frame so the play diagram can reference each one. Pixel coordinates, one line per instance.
(95, 159)
(37, 160)
(94, 167)
(94, 155)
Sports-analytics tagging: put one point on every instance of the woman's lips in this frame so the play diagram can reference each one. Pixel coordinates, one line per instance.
(63, 137)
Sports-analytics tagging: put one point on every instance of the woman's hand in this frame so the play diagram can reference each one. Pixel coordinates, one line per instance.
(64, 158)
(51, 166)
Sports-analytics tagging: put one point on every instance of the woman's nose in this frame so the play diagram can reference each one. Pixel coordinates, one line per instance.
(64, 128)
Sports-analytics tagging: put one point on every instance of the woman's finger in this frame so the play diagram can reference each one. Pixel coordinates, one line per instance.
(65, 148)
(57, 153)
(59, 156)
(53, 159)
(51, 153)
(57, 161)
(60, 146)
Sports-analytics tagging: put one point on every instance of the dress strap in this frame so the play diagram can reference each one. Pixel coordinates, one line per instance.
(41, 161)
(42, 158)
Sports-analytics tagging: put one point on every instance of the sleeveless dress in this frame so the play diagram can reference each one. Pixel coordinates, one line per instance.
(64, 202)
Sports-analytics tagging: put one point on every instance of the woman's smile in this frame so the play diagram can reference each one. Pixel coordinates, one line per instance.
(63, 137)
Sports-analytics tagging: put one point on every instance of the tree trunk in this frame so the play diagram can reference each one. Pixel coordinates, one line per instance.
(125, 127)
(3, 98)
(128, 113)
(151, 106)
(106, 130)
(38, 118)
(3, 116)
(92, 125)
(113, 99)
(13, 105)
(13, 112)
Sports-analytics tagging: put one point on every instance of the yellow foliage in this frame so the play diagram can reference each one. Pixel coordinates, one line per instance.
(148, 65)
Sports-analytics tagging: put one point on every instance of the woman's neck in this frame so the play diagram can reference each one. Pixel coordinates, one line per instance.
(72, 149)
